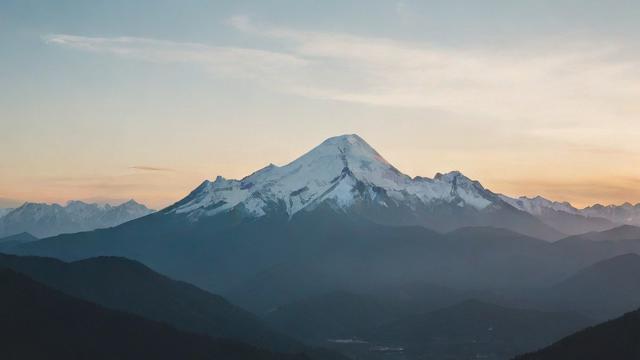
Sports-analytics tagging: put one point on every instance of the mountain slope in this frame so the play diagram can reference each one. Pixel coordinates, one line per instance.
(11, 241)
(335, 315)
(129, 286)
(615, 339)
(345, 315)
(623, 232)
(273, 260)
(39, 322)
(18, 238)
(5, 211)
(560, 216)
(474, 329)
(605, 289)
(43, 220)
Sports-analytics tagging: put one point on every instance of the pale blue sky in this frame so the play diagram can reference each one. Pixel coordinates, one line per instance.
(92, 93)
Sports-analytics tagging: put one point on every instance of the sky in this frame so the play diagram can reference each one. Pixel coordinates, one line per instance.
(111, 100)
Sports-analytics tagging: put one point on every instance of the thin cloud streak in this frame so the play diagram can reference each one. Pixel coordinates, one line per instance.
(150, 168)
(217, 60)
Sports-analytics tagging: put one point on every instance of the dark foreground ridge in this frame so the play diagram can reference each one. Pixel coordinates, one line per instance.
(615, 339)
(41, 323)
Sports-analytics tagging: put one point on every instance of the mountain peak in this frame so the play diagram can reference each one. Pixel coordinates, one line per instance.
(131, 202)
(350, 149)
(345, 139)
(451, 176)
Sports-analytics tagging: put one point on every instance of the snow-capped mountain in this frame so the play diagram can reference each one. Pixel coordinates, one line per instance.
(621, 214)
(343, 170)
(538, 205)
(571, 220)
(347, 174)
(43, 220)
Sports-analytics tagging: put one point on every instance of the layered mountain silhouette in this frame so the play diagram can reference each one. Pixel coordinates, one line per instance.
(43, 220)
(14, 240)
(126, 285)
(603, 290)
(624, 232)
(39, 322)
(615, 339)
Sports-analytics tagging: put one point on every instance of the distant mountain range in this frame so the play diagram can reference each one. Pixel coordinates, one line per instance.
(569, 220)
(44, 220)
(623, 232)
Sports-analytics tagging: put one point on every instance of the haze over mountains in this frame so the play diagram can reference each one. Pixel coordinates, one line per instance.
(367, 256)
(43, 220)
(340, 214)
(615, 339)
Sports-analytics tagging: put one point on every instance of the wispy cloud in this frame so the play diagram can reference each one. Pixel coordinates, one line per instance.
(219, 60)
(150, 168)
(583, 82)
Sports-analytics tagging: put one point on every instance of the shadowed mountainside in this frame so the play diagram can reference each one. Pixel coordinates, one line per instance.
(39, 322)
(615, 339)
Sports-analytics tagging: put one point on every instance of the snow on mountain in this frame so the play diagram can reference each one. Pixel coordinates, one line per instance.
(342, 170)
(43, 220)
(5, 211)
(622, 214)
(537, 205)
(616, 214)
